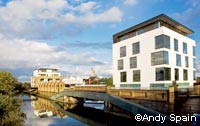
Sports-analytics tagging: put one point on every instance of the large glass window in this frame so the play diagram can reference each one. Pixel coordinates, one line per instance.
(136, 48)
(178, 60)
(158, 58)
(162, 41)
(123, 76)
(185, 48)
(186, 61)
(194, 51)
(176, 74)
(136, 75)
(120, 64)
(133, 62)
(123, 51)
(175, 45)
(163, 74)
(185, 75)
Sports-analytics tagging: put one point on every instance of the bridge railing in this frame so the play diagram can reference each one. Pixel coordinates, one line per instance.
(157, 95)
(93, 88)
(146, 94)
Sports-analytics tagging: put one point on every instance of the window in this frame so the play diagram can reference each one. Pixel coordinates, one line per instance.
(162, 41)
(175, 45)
(120, 64)
(133, 62)
(158, 58)
(123, 37)
(123, 76)
(136, 48)
(43, 75)
(43, 70)
(185, 75)
(140, 31)
(136, 76)
(185, 48)
(157, 25)
(194, 51)
(123, 51)
(176, 74)
(178, 60)
(186, 61)
(163, 74)
(194, 63)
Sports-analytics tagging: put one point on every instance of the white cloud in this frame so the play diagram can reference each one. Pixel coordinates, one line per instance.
(19, 54)
(41, 19)
(130, 2)
(86, 7)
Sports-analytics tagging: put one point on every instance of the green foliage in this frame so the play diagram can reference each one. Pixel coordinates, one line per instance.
(109, 81)
(7, 82)
(20, 87)
(10, 111)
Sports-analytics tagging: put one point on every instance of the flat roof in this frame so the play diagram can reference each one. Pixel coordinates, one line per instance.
(161, 17)
(46, 69)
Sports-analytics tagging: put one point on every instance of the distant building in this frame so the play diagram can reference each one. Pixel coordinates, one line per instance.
(94, 79)
(44, 75)
(73, 80)
(152, 54)
(93, 72)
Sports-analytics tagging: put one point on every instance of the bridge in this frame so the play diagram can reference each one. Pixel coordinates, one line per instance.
(122, 103)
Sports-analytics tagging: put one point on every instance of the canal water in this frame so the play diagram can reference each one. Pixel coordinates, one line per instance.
(43, 112)
(32, 106)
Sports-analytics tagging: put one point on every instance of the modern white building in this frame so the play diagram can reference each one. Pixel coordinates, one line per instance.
(44, 75)
(153, 54)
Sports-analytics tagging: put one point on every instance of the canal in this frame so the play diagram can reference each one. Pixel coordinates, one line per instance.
(32, 105)
(43, 112)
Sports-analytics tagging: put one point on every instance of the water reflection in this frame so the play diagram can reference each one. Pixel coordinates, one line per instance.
(43, 112)
(35, 108)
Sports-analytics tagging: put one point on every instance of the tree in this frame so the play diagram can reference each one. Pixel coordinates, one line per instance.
(7, 82)
(10, 105)
(109, 81)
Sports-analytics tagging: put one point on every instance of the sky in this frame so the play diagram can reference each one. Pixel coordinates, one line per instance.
(76, 35)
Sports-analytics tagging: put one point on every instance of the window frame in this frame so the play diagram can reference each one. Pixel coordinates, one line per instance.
(176, 45)
(135, 48)
(163, 77)
(133, 64)
(162, 41)
(163, 59)
(120, 64)
(137, 77)
(122, 79)
(122, 51)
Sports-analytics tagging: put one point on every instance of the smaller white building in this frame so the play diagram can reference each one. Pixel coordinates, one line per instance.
(47, 72)
(73, 80)
(44, 75)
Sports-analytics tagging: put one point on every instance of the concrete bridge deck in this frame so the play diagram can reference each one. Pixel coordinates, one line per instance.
(124, 104)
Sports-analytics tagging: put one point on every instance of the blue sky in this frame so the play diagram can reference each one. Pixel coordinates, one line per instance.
(76, 35)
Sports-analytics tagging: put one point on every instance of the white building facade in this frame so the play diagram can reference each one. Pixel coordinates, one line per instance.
(44, 75)
(153, 54)
(73, 80)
